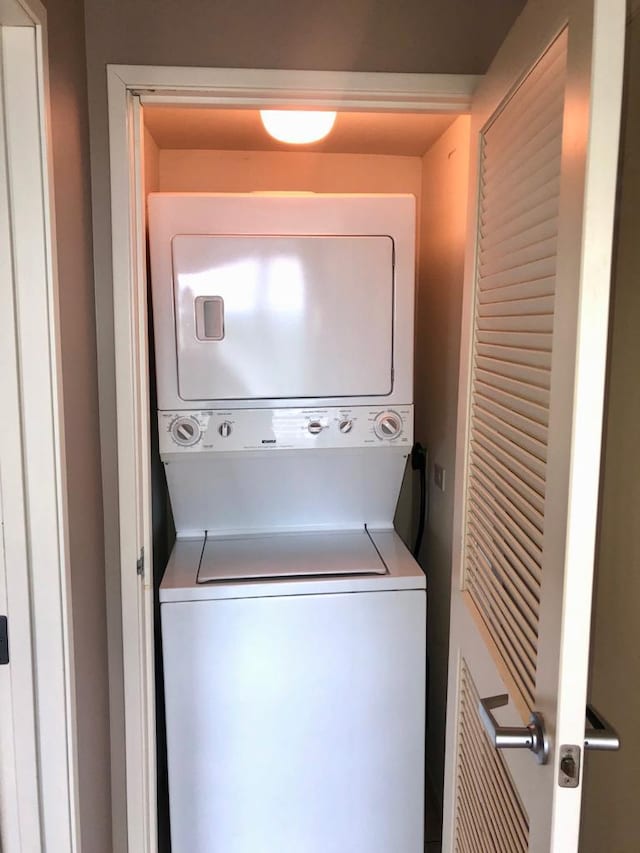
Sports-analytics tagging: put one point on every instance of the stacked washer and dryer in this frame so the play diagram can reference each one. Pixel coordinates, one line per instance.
(293, 617)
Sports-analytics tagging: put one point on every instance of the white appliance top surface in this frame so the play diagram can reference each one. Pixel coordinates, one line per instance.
(289, 564)
(349, 552)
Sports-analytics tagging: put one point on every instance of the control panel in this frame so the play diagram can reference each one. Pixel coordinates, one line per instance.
(285, 429)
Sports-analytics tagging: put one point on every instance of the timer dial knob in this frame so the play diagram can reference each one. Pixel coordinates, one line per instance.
(225, 429)
(185, 431)
(388, 425)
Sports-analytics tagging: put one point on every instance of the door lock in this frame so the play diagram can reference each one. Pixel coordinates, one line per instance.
(569, 767)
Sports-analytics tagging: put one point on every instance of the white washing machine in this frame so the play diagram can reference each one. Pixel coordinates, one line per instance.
(294, 693)
(293, 617)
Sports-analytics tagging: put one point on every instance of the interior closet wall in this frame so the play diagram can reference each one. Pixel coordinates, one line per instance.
(249, 171)
(151, 164)
(438, 316)
(610, 819)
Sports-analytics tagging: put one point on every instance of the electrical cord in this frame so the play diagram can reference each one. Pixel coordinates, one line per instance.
(419, 463)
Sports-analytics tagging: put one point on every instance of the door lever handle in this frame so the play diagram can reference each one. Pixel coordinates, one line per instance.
(599, 734)
(531, 736)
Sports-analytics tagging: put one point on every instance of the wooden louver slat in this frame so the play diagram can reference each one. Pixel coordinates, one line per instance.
(536, 233)
(508, 597)
(515, 355)
(524, 340)
(513, 401)
(523, 517)
(513, 226)
(489, 813)
(499, 375)
(537, 450)
(527, 193)
(502, 521)
(524, 373)
(531, 289)
(511, 369)
(540, 82)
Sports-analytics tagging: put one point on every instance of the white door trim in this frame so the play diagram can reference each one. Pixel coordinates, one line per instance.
(38, 682)
(128, 86)
(248, 87)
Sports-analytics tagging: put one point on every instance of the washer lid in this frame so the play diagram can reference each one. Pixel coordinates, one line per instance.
(282, 555)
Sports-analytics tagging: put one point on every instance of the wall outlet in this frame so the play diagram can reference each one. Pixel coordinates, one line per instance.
(439, 476)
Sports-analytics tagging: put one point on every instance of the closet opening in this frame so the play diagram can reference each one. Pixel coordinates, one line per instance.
(216, 150)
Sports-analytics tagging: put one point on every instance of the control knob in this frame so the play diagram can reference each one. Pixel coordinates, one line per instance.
(314, 427)
(345, 426)
(225, 429)
(185, 431)
(388, 425)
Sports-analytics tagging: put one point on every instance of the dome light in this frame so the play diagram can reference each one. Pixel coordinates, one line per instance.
(299, 127)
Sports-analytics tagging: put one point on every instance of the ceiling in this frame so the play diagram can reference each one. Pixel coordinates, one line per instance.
(408, 134)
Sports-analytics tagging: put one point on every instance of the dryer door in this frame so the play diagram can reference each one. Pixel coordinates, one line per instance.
(267, 317)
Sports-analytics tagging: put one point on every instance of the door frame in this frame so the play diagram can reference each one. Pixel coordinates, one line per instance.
(129, 87)
(38, 776)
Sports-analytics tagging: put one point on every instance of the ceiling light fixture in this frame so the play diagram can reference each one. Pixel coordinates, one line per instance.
(299, 127)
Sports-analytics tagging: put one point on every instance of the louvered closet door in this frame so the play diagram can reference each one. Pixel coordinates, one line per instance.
(544, 151)
(513, 321)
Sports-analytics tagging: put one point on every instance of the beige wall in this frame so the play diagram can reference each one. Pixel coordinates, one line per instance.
(455, 36)
(438, 319)
(70, 140)
(246, 171)
(151, 163)
(612, 784)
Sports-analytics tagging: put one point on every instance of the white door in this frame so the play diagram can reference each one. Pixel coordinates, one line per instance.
(544, 149)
